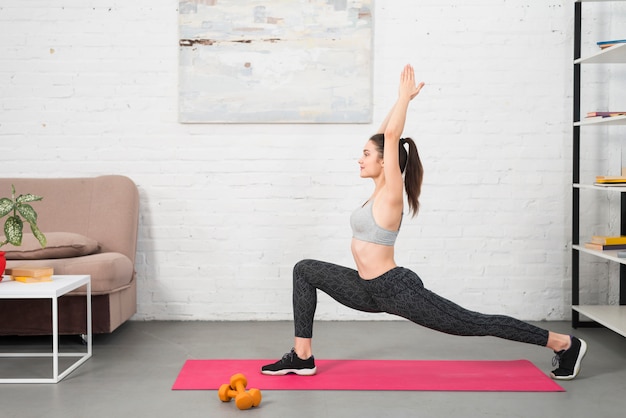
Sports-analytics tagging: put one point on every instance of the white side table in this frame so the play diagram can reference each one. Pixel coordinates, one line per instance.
(59, 286)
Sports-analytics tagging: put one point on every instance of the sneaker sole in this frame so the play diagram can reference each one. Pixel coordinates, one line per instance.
(299, 372)
(579, 360)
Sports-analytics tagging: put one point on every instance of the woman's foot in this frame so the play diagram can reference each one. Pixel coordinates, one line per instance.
(569, 360)
(291, 363)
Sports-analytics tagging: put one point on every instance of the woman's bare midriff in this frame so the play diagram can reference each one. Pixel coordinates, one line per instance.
(372, 260)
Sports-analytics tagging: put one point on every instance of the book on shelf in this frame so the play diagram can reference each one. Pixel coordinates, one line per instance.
(602, 247)
(608, 240)
(607, 44)
(28, 274)
(607, 114)
(610, 179)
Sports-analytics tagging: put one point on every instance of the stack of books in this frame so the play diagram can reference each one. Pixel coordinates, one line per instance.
(607, 44)
(27, 274)
(608, 114)
(600, 242)
(606, 181)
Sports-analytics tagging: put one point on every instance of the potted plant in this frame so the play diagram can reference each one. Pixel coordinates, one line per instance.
(18, 210)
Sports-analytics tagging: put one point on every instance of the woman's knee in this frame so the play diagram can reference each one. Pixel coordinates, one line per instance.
(301, 266)
(302, 270)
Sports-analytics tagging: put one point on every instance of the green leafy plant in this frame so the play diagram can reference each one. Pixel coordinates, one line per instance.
(19, 211)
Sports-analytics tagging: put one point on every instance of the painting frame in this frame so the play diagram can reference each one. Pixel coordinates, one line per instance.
(275, 61)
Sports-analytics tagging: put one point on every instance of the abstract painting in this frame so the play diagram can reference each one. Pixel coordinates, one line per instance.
(275, 61)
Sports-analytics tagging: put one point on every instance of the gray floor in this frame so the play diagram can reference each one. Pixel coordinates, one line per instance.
(133, 369)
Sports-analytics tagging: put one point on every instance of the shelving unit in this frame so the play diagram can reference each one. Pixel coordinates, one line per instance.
(612, 317)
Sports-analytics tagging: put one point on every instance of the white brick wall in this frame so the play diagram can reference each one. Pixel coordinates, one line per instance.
(90, 87)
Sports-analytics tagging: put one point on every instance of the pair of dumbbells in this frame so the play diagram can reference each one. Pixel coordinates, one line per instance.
(237, 390)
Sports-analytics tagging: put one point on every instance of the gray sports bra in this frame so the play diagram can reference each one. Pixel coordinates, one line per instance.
(364, 227)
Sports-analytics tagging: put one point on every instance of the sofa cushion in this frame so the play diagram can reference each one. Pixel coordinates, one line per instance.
(110, 272)
(60, 245)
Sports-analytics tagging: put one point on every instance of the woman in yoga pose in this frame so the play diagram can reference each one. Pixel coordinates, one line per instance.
(378, 284)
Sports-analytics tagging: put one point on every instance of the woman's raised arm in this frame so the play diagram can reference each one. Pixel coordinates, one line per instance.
(393, 127)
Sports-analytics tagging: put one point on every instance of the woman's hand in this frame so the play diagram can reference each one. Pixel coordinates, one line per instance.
(408, 88)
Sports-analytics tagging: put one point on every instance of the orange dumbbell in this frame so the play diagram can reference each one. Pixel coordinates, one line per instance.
(237, 390)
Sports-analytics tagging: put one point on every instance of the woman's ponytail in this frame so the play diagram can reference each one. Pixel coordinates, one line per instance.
(411, 166)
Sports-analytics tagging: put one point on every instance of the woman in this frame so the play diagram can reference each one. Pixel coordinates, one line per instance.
(378, 284)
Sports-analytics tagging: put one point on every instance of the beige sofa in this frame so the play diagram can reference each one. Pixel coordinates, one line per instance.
(91, 227)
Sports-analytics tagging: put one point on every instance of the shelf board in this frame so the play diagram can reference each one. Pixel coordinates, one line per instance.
(611, 316)
(615, 54)
(621, 189)
(613, 120)
(606, 254)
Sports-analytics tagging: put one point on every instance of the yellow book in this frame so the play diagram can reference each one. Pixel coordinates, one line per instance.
(610, 179)
(28, 279)
(610, 240)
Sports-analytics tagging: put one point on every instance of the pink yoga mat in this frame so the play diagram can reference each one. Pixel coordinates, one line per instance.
(446, 375)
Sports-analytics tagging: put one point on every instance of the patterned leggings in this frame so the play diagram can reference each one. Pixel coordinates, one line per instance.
(399, 292)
